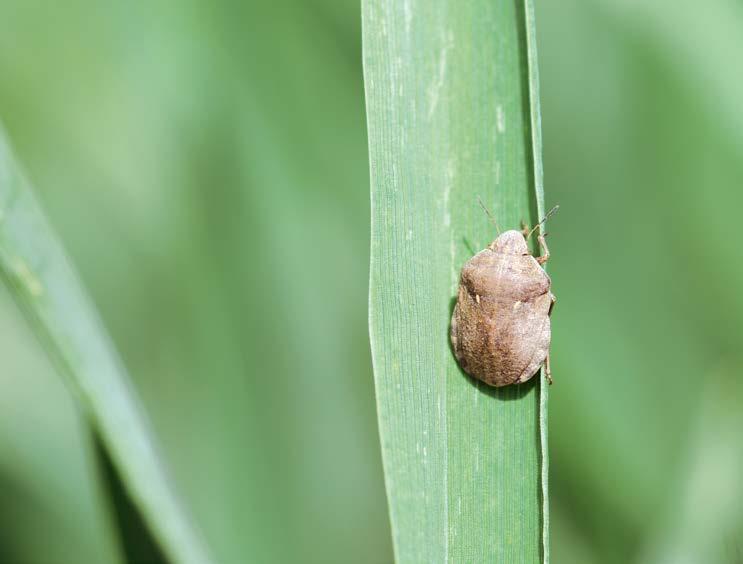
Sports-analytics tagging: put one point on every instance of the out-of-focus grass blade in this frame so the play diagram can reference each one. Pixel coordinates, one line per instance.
(707, 512)
(34, 266)
(135, 539)
(453, 114)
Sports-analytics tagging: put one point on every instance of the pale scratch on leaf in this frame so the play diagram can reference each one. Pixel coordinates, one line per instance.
(408, 16)
(452, 256)
(500, 119)
(434, 90)
(449, 180)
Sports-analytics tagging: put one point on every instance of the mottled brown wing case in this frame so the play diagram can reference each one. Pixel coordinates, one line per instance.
(500, 328)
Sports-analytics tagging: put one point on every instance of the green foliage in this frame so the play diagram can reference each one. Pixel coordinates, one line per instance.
(643, 153)
(210, 184)
(35, 268)
(452, 115)
(205, 165)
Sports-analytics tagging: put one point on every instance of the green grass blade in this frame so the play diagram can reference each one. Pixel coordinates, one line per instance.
(535, 122)
(452, 110)
(134, 537)
(34, 266)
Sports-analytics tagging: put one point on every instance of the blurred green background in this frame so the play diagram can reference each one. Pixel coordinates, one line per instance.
(205, 164)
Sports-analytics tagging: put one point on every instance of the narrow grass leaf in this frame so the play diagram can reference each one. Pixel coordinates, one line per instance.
(35, 267)
(453, 115)
(535, 122)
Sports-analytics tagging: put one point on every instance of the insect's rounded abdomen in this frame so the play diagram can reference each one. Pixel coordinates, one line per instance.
(500, 328)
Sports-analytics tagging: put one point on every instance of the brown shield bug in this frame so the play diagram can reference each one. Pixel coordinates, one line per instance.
(500, 328)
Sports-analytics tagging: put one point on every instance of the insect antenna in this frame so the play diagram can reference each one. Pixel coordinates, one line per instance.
(490, 215)
(545, 218)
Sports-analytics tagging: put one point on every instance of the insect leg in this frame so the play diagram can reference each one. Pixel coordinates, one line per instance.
(547, 371)
(553, 301)
(543, 249)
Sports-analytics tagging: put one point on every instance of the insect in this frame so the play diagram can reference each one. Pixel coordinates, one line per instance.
(500, 328)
